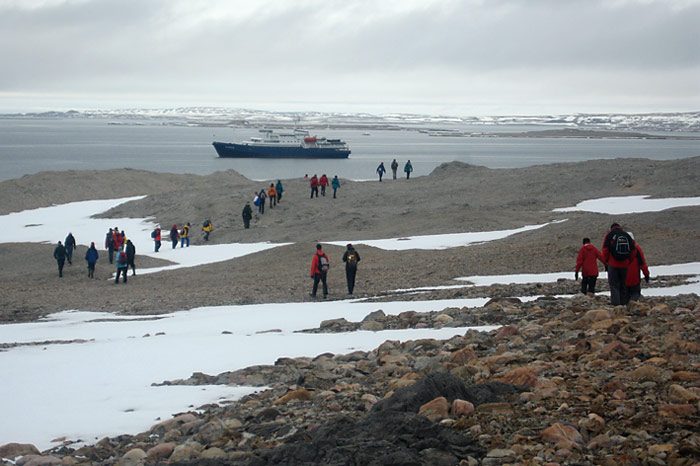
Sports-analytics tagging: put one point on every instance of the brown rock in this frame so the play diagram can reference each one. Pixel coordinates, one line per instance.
(174, 422)
(679, 394)
(463, 355)
(677, 410)
(436, 409)
(300, 395)
(647, 373)
(461, 408)
(685, 376)
(161, 451)
(134, 454)
(13, 450)
(526, 376)
(495, 408)
(598, 442)
(506, 331)
(563, 436)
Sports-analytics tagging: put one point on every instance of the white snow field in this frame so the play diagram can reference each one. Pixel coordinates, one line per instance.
(82, 376)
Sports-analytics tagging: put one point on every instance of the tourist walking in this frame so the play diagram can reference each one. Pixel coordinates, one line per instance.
(408, 168)
(60, 255)
(118, 239)
(617, 249)
(185, 236)
(279, 189)
(207, 227)
(638, 263)
(247, 215)
(122, 264)
(263, 197)
(323, 182)
(587, 263)
(394, 167)
(91, 257)
(319, 270)
(335, 184)
(156, 235)
(381, 170)
(109, 244)
(174, 235)
(313, 182)
(351, 257)
(272, 194)
(69, 244)
(130, 250)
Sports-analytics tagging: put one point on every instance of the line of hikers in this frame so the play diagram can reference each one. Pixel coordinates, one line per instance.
(180, 235)
(623, 260)
(320, 265)
(315, 182)
(273, 194)
(408, 169)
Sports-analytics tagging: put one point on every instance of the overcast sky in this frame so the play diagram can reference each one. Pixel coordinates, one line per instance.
(470, 57)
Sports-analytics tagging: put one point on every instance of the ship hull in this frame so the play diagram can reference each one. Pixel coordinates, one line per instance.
(239, 151)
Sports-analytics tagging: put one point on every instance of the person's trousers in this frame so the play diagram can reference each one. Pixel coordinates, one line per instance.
(634, 292)
(174, 240)
(60, 266)
(322, 278)
(350, 276)
(185, 240)
(111, 254)
(121, 270)
(133, 267)
(246, 222)
(588, 284)
(616, 281)
(91, 270)
(157, 245)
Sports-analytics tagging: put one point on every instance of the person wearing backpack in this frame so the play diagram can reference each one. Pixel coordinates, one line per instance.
(279, 189)
(185, 236)
(156, 235)
(617, 250)
(91, 257)
(122, 264)
(69, 244)
(351, 257)
(174, 235)
(313, 182)
(207, 227)
(637, 264)
(319, 270)
(247, 215)
(335, 184)
(408, 168)
(394, 167)
(381, 170)
(587, 263)
(323, 182)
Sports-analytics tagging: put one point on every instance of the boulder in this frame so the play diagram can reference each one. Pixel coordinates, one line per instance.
(13, 450)
(436, 409)
(294, 395)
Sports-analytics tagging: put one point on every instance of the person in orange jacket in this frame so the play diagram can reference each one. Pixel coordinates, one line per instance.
(587, 263)
(637, 264)
(314, 185)
(323, 182)
(319, 270)
(272, 194)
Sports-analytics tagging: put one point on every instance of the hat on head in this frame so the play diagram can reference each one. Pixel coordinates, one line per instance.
(615, 224)
(92, 244)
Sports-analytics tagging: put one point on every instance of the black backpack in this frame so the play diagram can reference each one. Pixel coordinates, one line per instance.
(620, 244)
(351, 259)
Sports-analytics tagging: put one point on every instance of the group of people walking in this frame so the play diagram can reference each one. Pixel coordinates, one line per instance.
(407, 168)
(320, 265)
(623, 260)
(273, 196)
(121, 251)
(315, 182)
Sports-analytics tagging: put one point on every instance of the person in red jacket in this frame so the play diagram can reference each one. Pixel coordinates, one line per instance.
(323, 182)
(617, 266)
(319, 270)
(633, 281)
(314, 186)
(587, 263)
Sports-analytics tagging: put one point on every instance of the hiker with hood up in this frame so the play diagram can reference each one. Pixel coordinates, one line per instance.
(381, 170)
(351, 257)
(279, 189)
(587, 263)
(69, 244)
(91, 257)
(335, 184)
(319, 270)
(408, 168)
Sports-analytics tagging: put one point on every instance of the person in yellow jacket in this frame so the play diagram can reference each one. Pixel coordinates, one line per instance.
(272, 194)
(185, 236)
(207, 227)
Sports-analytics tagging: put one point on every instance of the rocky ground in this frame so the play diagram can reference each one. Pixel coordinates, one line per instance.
(565, 381)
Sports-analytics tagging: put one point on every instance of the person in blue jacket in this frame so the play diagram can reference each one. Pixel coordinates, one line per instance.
(91, 257)
(381, 170)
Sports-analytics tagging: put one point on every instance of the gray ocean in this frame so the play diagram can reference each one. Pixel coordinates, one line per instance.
(31, 145)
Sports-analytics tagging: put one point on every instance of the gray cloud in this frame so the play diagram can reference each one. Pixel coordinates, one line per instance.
(495, 53)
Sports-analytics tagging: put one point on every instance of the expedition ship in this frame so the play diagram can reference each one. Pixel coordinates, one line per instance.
(296, 145)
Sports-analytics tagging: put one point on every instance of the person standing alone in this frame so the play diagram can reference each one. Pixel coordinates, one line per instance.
(351, 257)
(408, 168)
(587, 263)
(319, 270)
(247, 215)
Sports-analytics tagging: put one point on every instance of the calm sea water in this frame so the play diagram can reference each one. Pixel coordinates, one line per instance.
(32, 145)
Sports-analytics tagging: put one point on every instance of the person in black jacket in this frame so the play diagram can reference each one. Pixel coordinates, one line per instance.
(130, 256)
(60, 255)
(351, 257)
(247, 215)
(69, 244)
